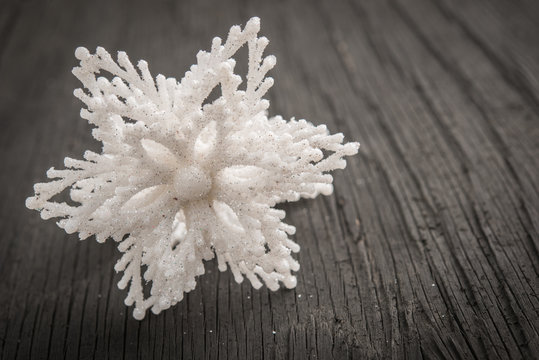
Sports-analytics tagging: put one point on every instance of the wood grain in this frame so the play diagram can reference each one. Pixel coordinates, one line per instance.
(429, 246)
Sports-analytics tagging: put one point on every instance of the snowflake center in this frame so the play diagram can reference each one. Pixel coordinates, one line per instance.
(191, 183)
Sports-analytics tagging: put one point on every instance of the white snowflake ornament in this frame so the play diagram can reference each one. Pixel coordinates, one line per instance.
(179, 182)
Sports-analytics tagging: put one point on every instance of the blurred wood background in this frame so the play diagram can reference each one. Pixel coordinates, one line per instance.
(429, 246)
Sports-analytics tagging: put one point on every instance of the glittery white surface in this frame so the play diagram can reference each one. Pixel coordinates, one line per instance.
(179, 182)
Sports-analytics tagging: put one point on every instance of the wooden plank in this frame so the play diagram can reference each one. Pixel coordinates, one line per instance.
(427, 249)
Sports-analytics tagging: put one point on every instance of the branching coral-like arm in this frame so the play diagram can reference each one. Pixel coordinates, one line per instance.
(295, 162)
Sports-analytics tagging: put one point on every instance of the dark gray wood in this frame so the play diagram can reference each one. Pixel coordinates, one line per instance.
(427, 249)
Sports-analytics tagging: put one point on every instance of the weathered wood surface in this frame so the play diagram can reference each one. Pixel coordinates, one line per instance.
(427, 249)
